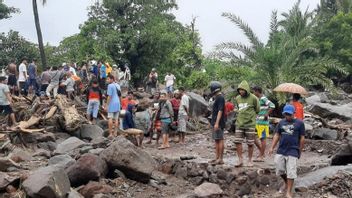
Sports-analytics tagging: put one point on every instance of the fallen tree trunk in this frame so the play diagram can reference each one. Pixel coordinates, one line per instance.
(72, 119)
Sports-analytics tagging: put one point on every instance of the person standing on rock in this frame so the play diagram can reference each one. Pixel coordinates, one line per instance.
(55, 77)
(299, 113)
(23, 77)
(6, 100)
(113, 105)
(32, 77)
(95, 99)
(12, 80)
(290, 135)
(247, 107)
(165, 115)
(183, 114)
(218, 121)
(262, 126)
(170, 80)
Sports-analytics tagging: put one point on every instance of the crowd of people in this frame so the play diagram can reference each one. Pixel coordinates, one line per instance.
(168, 113)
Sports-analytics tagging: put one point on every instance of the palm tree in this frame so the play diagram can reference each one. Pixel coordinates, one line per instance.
(39, 31)
(290, 55)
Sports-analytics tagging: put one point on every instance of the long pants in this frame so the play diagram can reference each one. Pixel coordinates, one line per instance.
(50, 88)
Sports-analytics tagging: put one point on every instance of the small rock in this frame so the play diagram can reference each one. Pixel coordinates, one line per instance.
(264, 180)
(241, 180)
(45, 137)
(85, 149)
(181, 172)
(49, 181)
(301, 189)
(74, 194)
(244, 190)
(207, 190)
(63, 161)
(96, 151)
(221, 174)
(50, 146)
(19, 155)
(86, 168)
(42, 153)
(10, 189)
(69, 145)
(6, 163)
(324, 134)
(93, 188)
(167, 167)
(230, 177)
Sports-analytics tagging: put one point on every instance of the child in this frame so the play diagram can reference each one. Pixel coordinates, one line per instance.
(6, 100)
(70, 84)
(290, 135)
(218, 121)
(95, 99)
(165, 115)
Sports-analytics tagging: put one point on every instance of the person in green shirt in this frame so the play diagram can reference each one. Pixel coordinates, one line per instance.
(247, 107)
(262, 125)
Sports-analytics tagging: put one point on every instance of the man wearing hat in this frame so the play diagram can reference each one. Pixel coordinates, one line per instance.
(290, 136)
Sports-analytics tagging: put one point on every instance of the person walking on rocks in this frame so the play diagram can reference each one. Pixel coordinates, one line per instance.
(290, 136)
(95, 99)
(248, 107)
(218, 121)
(56, 76)
(299, 108)
(113, 105)
(262, 125)
(165, 115)
(183, 114)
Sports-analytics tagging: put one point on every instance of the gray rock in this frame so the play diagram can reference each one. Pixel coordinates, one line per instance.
(88, 167)
(181, 172)
(6, 180)
(343, 156)
(197, 105)
(74, 194)
(134, 162)
(95, 188)
(329, 111)
(85, 149)
(90, 132)
(244, 190)
(207, 190)
(42, 153)
(63, 161)
(19, 155)
(50, 146)
(69, 145)
(6, 163)
(100, 142)
(45, 137)
(51, 182)
(324, 134)
(96, 151)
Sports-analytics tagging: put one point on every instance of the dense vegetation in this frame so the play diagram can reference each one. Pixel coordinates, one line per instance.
(312, 48)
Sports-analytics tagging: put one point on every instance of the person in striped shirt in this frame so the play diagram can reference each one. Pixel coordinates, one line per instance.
(262, 121)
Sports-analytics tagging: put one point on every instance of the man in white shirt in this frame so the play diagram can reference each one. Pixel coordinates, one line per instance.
(170, 80)
(22, 77)
(183, 114)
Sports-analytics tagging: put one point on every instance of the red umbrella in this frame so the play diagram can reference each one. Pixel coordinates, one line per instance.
(291, 88)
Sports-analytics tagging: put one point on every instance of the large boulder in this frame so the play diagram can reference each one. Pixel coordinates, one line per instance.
(135, 163)
(88, 167)
(49, 182)
(343, 156)
(197, 105)
(69, 145)
(329, 111)
(90, 132)
(324, 134)
(207, 190)
(63, 161)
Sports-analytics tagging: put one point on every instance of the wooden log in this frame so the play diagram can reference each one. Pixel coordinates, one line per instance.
(33, 120)
(50, 113)
(72, 119)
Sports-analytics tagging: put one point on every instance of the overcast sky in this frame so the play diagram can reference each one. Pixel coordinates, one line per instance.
(61, 18)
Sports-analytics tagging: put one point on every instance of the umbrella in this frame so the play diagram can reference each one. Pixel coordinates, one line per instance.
(291, 88)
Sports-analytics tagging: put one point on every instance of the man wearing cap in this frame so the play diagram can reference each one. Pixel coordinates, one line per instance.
(290, 136)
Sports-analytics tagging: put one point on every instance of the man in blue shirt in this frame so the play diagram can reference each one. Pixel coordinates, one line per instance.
(103, 75)
(113, 105)
(290, 136)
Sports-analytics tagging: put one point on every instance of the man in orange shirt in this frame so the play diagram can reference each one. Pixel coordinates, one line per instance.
(299, 113)
(128, 100)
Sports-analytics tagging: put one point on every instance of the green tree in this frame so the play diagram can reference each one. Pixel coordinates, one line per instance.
(39, 32)
(6, 11)
(290, 55)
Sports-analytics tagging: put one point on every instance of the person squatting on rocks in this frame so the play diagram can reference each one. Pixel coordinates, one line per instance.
(165, 115)
(218, 121)
(248, 107)
(6, 100)
(262, 125)
(113, 105)
(290, 135)
(183, 115)
(94, 99)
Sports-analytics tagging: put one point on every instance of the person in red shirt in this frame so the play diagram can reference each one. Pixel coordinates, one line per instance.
(94, 99)
(229, 107)
(175, 102)
(128, 100)
(299, 113)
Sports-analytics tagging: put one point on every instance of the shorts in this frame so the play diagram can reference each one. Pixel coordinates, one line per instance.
(93, 108)
(262, 130)
(5, 109)
(165, 125)
(113, 115)
(218, 135)
(286, 165)
(12, 81)
(170, 89)
(242, 133)
(182, 123)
